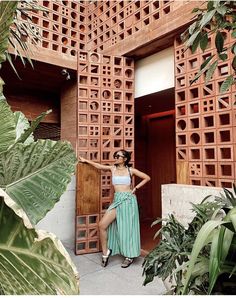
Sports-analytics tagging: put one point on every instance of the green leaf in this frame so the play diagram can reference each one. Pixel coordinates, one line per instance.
(28, 132)
(7, 126)
(204, 64)
(225, 238)
(233, 34)
(11, 28)
(202, 239)
(233, 271)
(229, 196)
(8, 56)
(223, 56)
(216, 3)
(204, 42)
(229, 226)
(201, 267)
(233, 49)
(192, 28)
(7, 12)
(184, 36)
(228, 26)
(206, 198)
(219, 252)
(219, 42)
(157, 221)
(2, 97)
(192, 38)
(227, 84)
(203, 68)
(206, 18)
(210, 5)
(36, 175)
(196, 42)
(214, 261)
(233, 219)
(234, 63)
(22, 124)
(210, 71)
(31, 262)
(222, 10)
(196, 9)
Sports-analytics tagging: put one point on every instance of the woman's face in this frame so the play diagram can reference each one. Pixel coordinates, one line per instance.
(119, 158)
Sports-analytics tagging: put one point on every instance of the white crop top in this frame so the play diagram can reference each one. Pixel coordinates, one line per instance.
(124, 180)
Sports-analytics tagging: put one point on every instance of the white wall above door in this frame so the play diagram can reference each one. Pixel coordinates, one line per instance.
(154, 73)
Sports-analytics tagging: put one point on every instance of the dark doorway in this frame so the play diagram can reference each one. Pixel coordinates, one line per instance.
(155, 155)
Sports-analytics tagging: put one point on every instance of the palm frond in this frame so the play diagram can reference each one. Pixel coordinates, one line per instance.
(24, 34)
(7, 12)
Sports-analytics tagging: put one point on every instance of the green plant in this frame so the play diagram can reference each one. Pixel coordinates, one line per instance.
(33, 176)
(168, 259)
(227, 198)
(166, 256)
(219, 236)
(23, 33)
(29, 172)
(204, 253)
(214, 17)
(31, 262)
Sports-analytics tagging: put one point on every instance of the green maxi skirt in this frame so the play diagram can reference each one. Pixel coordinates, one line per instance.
(124, 231)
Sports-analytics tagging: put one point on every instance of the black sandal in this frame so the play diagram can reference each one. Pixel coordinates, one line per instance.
(127, 262)
(106, 258)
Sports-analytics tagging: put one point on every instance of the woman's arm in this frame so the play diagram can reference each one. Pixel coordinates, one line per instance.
(145, 178)
(95, 164)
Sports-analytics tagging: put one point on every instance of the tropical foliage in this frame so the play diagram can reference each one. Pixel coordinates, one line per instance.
(167, 259)
(196, 258)
(7, 14)
(214, 19)
(31, 262)
(23, 32)
(33, 176)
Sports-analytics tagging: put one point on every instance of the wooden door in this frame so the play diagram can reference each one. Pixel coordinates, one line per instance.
(160, 157)
(88, 189)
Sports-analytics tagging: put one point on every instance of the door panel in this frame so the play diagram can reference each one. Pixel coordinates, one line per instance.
(161, 157)
(88, 189)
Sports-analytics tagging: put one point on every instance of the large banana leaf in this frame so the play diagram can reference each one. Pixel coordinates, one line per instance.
(7, 126)
(31, 262)
(35, 176)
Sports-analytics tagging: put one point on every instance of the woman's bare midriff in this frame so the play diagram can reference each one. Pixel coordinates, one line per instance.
(122, 188)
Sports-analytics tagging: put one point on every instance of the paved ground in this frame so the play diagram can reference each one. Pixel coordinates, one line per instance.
(113, 280)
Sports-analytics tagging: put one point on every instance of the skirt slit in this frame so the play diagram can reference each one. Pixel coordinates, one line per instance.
(124, 231)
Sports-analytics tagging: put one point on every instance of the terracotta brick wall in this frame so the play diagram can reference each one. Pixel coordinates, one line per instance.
(112, 21)
(63, 29)
(68, 112)
(205, 119)
(73, 25)
(33, 105)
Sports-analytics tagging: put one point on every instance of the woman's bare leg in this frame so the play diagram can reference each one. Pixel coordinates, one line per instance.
(107, 219)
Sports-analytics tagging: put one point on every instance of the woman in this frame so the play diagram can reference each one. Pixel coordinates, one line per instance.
(119, 227)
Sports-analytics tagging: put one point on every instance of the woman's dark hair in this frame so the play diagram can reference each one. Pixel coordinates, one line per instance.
(126, 155)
